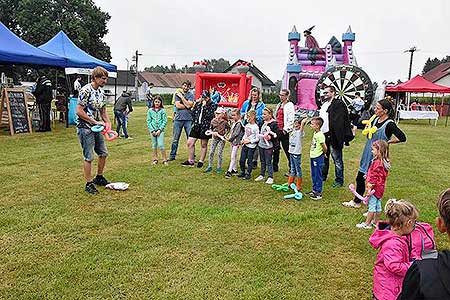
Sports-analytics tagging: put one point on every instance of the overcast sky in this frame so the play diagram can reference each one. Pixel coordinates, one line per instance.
(181, 31)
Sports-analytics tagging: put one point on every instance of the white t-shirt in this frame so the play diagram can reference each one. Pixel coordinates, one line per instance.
(77, 85)
(324, 115)
(295, 141)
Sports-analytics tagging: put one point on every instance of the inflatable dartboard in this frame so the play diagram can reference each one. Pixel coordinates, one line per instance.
(347, 80)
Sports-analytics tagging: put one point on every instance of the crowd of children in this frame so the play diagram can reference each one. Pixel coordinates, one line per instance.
(402, 241)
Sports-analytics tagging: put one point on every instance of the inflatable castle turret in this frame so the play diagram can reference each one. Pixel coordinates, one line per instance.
(348, 38)
(310, 68)
(293, 66)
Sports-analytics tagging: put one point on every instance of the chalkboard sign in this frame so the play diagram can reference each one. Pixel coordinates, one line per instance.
(15, 102)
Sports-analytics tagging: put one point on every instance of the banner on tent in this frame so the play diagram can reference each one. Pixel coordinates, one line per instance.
(83, 71)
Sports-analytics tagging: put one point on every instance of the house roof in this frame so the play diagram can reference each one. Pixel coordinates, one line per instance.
(123, 75)
(257, 72)
(172, 80)
(438, 72)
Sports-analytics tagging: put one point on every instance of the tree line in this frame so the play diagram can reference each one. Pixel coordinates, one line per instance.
(213, 65)
(38, 21)
(433, 63)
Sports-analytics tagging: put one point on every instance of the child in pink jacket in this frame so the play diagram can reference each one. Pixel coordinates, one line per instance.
(376, 181)
(393, 257)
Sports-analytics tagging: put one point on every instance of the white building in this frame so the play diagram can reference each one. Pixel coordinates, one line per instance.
(166, 83)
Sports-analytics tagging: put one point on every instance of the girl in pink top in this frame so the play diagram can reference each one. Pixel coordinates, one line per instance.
(375, 181)
(393, 258)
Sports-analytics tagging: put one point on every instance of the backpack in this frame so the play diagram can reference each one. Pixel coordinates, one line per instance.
(421, 243)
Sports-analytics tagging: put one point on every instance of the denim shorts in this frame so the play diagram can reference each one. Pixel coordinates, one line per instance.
(158, 141)
(374, 204)
(90, 142)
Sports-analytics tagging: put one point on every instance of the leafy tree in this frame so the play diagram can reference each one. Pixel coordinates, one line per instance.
(431, 64)
(36, 21)
(277, 88)
(217, 65)
(214, 65)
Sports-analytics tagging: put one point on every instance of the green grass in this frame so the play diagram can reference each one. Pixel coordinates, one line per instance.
(178, 233)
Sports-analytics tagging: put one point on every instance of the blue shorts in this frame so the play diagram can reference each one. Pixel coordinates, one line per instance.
(90, 142)
(158, 141)
(374, 204)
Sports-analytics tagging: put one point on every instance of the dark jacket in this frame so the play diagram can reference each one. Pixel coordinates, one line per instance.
(207, 113)
(340, 127)
(237, 132)
(428, 279)
(43, 91)
(123, 102)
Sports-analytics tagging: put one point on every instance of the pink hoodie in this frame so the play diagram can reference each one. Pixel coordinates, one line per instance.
(391, 264)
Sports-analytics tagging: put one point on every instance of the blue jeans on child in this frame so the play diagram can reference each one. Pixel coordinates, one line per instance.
(316, 173)
(374, 204)
(265, 156)
(295, 165)
(246, 156)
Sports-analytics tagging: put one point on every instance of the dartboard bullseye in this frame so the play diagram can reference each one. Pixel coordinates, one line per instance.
(347, 80)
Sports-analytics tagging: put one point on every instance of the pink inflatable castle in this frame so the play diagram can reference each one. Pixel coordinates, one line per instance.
(311, 68)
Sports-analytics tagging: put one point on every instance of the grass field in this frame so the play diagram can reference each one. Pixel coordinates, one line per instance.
(179, 233)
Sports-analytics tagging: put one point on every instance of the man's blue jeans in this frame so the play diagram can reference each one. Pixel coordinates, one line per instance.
(177, 128)
(336, 154)
(121, 122)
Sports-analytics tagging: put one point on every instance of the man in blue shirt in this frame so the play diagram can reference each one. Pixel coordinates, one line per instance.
(184, 100)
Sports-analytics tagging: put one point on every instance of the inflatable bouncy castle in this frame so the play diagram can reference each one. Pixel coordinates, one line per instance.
(311, 68)
(232, 88)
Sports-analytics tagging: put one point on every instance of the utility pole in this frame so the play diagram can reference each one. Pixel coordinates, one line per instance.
(411, 50)
(128, 72)
(136, 59)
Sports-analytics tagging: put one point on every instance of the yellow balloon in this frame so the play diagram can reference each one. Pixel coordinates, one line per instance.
(369, 130)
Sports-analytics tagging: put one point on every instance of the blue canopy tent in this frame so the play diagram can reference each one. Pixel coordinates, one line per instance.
(77, 61)
(14, 50)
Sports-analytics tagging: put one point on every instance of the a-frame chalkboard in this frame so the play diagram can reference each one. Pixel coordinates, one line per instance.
(15, 103)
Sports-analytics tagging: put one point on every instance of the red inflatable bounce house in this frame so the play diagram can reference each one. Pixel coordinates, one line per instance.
(233, 88)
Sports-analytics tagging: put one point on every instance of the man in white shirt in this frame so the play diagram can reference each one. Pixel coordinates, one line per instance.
(323, 113)
(77, 87)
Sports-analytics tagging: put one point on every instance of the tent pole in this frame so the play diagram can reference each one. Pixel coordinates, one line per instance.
(69, 88)
(115, 95)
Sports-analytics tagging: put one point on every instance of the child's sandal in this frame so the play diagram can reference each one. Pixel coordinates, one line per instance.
(155, 161)
(165, 162)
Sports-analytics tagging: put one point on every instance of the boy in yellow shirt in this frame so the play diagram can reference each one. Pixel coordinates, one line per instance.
(317, 153)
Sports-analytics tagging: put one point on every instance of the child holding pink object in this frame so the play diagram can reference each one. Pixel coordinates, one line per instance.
(376, 180)
(237, 132)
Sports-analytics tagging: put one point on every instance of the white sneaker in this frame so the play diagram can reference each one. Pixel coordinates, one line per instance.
(365, 214)
(363, 225)
(269, 180)
(259, 178)
(351, 203)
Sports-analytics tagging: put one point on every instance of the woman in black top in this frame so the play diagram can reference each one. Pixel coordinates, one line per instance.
(202, 114)
(388, 131)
